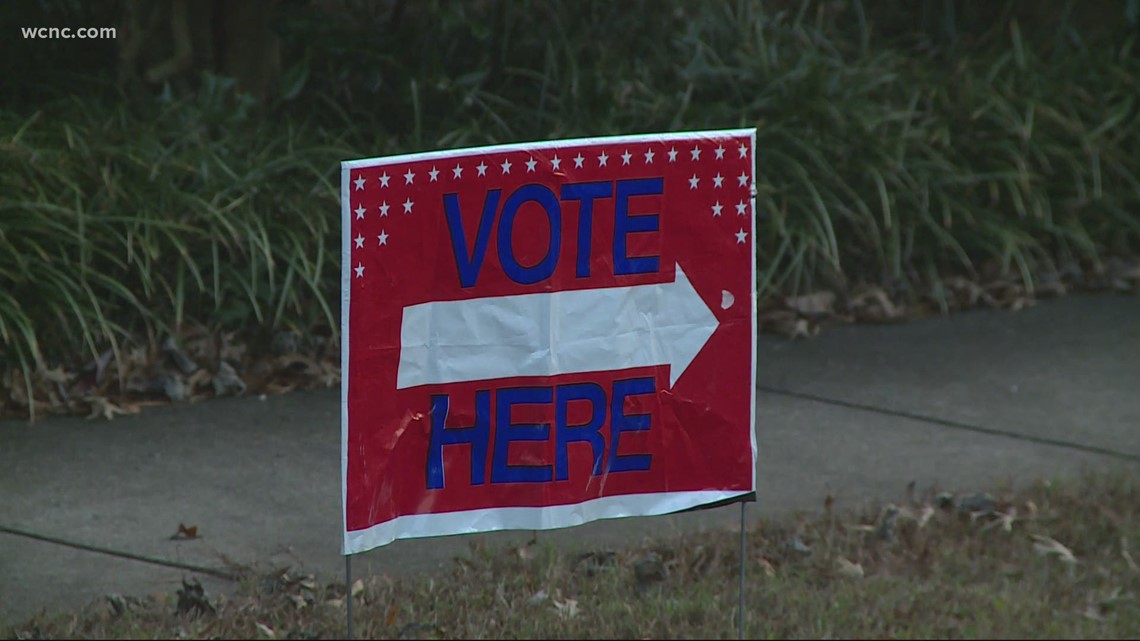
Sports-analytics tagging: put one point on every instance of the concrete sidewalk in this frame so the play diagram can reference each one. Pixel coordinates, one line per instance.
(1040, 393)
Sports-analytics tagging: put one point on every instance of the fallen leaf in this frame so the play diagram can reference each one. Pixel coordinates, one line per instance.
(766, 565)
(357, 587)
(1002, 520)
(796, 545)
(227, 381)
(874, 306)
(1127, 555)
(567, 609)
(1092, 612)
(391, 618)
(192, 599)
(649, 569)
(174, 387)
(108, 410)
(527, 551)
(55, 375)
(816, 303)
(181, 360)
(848, 569)
(785, 322)
(185, 533)
(925, 515)
(977, 504)
(266, 631)
(1046, 546)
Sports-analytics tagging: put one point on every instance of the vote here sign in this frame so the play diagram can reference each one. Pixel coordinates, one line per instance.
(540, 335)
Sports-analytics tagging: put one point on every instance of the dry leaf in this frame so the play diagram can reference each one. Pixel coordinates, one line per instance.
(391, 618)
(766, 565)
(567, 609)
(1004, 520)
(55, 375)
(357, 587)
(1127, 555)
(227, 381)
(108, 410)
(787, 323)
(181, 360)
(266, 631)
(1092, 612)
(848, 569)
(816, 303)
(925, 515)
(1046, 546)
(875, 306)
(185, 533)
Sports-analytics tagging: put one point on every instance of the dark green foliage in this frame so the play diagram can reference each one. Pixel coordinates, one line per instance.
(888, 153)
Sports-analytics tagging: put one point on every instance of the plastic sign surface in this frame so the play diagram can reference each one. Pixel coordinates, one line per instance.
(540, 335)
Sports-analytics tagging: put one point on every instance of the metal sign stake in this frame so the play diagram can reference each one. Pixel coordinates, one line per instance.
(740, 608)
(348, 590)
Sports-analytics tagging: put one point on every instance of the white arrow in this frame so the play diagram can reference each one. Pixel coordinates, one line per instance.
(554, 333)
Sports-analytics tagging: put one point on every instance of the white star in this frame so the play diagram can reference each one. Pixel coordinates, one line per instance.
(693, 182)
(383, 237)
(649, 157)
(555, 162)
(743, 151)
(433, 174)
(578, 160)
(718, 180)
(602, 159)
(696, 152)
(384, 179)
(673, 154)
(741, 208)
(506, 166)
(625, 157)
(482, 168)
(530, 165)
(408, 206)
(743, 178)
(359, 242)
(716, 208)
(359, 183)
(740, 236)
(720, 152)
(409, 177)
(384, 208)
(359, 212)
(359, 270)
(457, 172)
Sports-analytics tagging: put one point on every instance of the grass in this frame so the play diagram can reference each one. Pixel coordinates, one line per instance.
(1064, 568)
(885, 158)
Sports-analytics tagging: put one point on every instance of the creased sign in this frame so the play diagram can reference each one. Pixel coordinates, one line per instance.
(541, 335)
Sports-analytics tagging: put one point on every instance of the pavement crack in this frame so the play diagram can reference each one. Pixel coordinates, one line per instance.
(201, 569)
(958, 425)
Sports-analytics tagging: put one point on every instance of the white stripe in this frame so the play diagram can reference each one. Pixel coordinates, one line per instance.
(543, 145)
(529, 518)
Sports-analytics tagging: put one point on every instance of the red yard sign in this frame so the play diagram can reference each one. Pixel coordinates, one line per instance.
(540, 335)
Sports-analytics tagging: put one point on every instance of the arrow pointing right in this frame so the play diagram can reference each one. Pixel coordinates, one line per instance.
(553, 333)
